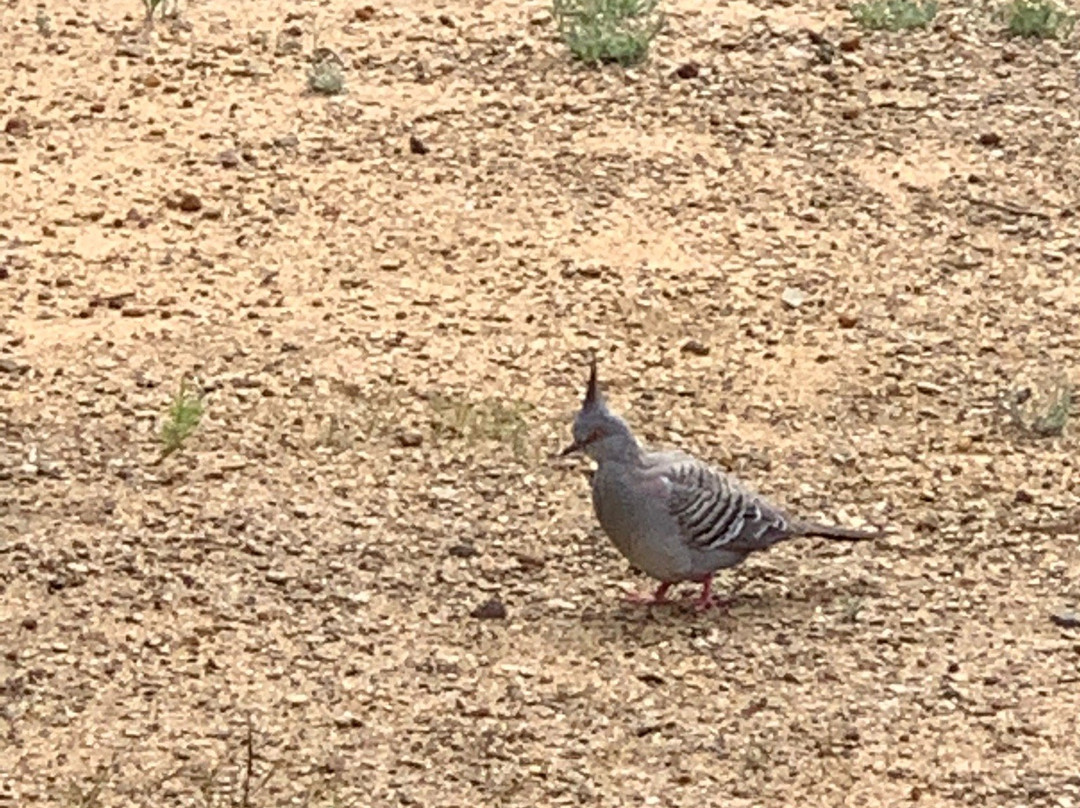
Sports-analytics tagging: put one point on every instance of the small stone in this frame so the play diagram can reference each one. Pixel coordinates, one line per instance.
(1022, 497)
(929, 388)
(185, 201)
(493, 609)
(364, 13)
(297, 699)
(793, 297)
(463, 550)
(190, 203)
(278, 577)
(695, 347)
(347, 720)
(991, 139)
(688, 70)
(17, 127)
(847, 319)
(30, 623)
(151, 81)
(1066, 619)
(850, 44)
(410, 438)
(417, 146)
(12, 366)
(229, 158)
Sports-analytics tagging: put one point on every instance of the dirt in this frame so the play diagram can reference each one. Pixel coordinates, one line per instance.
(825, 260)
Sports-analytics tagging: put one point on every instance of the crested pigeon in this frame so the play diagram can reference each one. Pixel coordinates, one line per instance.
(672, 516)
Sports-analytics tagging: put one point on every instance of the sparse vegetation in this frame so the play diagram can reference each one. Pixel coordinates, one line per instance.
(1038, 19)
(44, 24)
(152, 6)
(852, 608)
(334, 435)
(484, 420)
(326, 76)
(1042, 413)
(183, 418)
(603, 31)
(894, 15)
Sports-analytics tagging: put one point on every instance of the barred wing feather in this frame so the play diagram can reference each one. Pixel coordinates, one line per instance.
(715, 512)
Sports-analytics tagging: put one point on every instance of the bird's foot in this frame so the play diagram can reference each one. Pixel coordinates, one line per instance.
(650, 599)
(710, 602)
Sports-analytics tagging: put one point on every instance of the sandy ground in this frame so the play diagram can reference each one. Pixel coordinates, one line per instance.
(391, 344)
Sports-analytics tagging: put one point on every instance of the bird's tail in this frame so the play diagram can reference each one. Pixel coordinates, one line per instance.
(834, 532)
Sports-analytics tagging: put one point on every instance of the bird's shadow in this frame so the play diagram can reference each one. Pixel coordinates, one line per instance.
(751, 605)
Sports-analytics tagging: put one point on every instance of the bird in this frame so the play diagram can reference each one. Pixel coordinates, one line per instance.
(673, 516)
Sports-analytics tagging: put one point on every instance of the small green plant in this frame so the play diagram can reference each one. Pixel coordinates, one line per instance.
(153, 5)
(183, 417)
(605, 31)
(334, 435)
(1042, 414)
(894, 15)
(326, 76)
(44, 24)
(485, 420)
(852, 608)
(1041, 19)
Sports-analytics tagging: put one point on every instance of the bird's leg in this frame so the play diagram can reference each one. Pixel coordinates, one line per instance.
(708, 600)
(657, 597)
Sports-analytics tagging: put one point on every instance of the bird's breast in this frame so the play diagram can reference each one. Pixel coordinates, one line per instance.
(638, 525)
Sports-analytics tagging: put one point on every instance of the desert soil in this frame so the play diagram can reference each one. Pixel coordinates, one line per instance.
(819, 257)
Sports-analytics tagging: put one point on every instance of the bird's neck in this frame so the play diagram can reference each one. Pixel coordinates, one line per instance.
(625, 450)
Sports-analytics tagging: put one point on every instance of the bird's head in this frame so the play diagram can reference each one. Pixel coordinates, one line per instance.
(597, 431)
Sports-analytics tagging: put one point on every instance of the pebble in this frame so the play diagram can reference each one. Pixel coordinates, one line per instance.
(847, 319)
(417, 146)
(463, 551)
(688, 70)
(1066, 619)
(493, 609)
(793, 297)
(347, 719)
(17, 127)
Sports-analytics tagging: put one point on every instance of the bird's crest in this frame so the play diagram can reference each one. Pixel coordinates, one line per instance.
(592, 390)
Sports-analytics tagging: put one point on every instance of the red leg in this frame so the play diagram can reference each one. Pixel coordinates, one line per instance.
(657, 597)
(707, 600)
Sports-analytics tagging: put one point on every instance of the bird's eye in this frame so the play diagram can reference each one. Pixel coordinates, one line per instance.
(595, 435)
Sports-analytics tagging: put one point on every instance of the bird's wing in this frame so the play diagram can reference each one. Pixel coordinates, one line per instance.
(716, 512)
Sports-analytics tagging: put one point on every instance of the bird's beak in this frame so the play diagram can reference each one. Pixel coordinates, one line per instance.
(573, 447)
